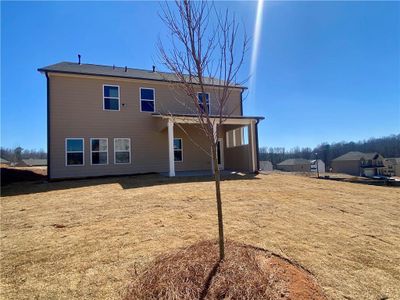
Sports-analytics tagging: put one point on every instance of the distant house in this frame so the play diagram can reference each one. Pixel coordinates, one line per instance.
(372, 164)
(32, 162)
(392, 166)
(266, 165)
(4, 161)
(294, 165)
(359, 164)
(317, 165)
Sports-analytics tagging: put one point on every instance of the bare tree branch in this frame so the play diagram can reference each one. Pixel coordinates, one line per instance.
(204, 57)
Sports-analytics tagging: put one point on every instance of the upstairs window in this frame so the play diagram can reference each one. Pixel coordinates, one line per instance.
(74, 152)
(122, 150)
(99, 151)
(178, 150)
(111, 97)
(200, 97)
(147, 99)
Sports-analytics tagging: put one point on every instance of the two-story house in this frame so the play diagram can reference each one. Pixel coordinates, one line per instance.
(359, 164)
(107, 120)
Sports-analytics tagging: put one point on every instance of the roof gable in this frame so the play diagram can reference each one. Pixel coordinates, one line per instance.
(352, 155)
(356, 155)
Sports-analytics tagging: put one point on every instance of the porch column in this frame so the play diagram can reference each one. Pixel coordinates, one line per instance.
(253, 143)
(171, 148)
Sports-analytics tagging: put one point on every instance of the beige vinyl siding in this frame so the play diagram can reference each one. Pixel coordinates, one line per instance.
(76, 111)
(238, 158)
(351, 167)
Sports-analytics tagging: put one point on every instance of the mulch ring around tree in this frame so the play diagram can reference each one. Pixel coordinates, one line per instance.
(246, 273)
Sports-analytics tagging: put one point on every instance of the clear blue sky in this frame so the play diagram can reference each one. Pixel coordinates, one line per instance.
(326, 71)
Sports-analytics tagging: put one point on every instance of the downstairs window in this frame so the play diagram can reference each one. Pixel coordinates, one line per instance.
(74, 152)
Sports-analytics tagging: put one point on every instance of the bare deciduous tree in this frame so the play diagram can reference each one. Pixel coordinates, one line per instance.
(201, 54)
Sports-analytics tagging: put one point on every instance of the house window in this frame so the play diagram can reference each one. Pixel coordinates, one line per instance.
(200, 98)
(111, 97)
(178, 150)
(147, 99)
(99, 151)
(122, 150)
(74, 152)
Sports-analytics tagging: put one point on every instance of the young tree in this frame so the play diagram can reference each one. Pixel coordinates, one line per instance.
(199, 54)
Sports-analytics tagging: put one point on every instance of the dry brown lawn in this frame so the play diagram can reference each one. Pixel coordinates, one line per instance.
(81, 239)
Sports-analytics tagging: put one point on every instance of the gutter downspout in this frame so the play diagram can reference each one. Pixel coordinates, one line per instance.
(257, 149)
(241, 102)
(48, 127)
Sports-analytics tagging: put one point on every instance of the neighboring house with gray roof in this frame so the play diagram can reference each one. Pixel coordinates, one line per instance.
(4, 161)
(294, 165)
(107, 120)
(359, 164)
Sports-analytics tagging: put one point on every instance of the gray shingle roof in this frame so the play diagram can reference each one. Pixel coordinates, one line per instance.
(121, 72)
(356, 155)
(294, 161)
(373, 155)
(352, 155)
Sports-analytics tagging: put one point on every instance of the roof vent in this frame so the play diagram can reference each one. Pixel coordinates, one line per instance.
(154, 68)
(126, 68)
(79, 59)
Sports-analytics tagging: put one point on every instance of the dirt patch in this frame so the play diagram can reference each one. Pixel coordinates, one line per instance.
(246, 273)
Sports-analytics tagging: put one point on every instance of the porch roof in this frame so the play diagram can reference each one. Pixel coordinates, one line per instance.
(190, 119)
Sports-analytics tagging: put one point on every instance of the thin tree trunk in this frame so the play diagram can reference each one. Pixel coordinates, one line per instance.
(217, 178)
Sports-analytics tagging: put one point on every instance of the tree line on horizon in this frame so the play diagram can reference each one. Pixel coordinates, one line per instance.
(18, 153)
(388, 146)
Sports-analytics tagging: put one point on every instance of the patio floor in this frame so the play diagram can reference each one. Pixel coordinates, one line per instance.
(199, 173)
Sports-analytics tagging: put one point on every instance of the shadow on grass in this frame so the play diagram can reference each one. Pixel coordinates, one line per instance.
(210, 277)
(126, 182)
(11, 175)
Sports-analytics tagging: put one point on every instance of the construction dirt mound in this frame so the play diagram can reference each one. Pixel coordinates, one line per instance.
(246, 273)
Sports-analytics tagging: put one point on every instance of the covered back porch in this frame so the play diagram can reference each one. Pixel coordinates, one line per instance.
(189, 150)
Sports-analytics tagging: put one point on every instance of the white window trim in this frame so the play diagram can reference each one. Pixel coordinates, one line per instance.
(179, 150)
(209, 101)
(91, 151)
(66, 152)
(140, 97)
(119, 97)
(130, 152)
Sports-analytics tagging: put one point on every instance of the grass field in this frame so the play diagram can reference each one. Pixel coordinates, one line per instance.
(81, 239)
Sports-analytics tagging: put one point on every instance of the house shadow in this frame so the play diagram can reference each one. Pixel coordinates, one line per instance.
(11, 175)
(41, 185)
